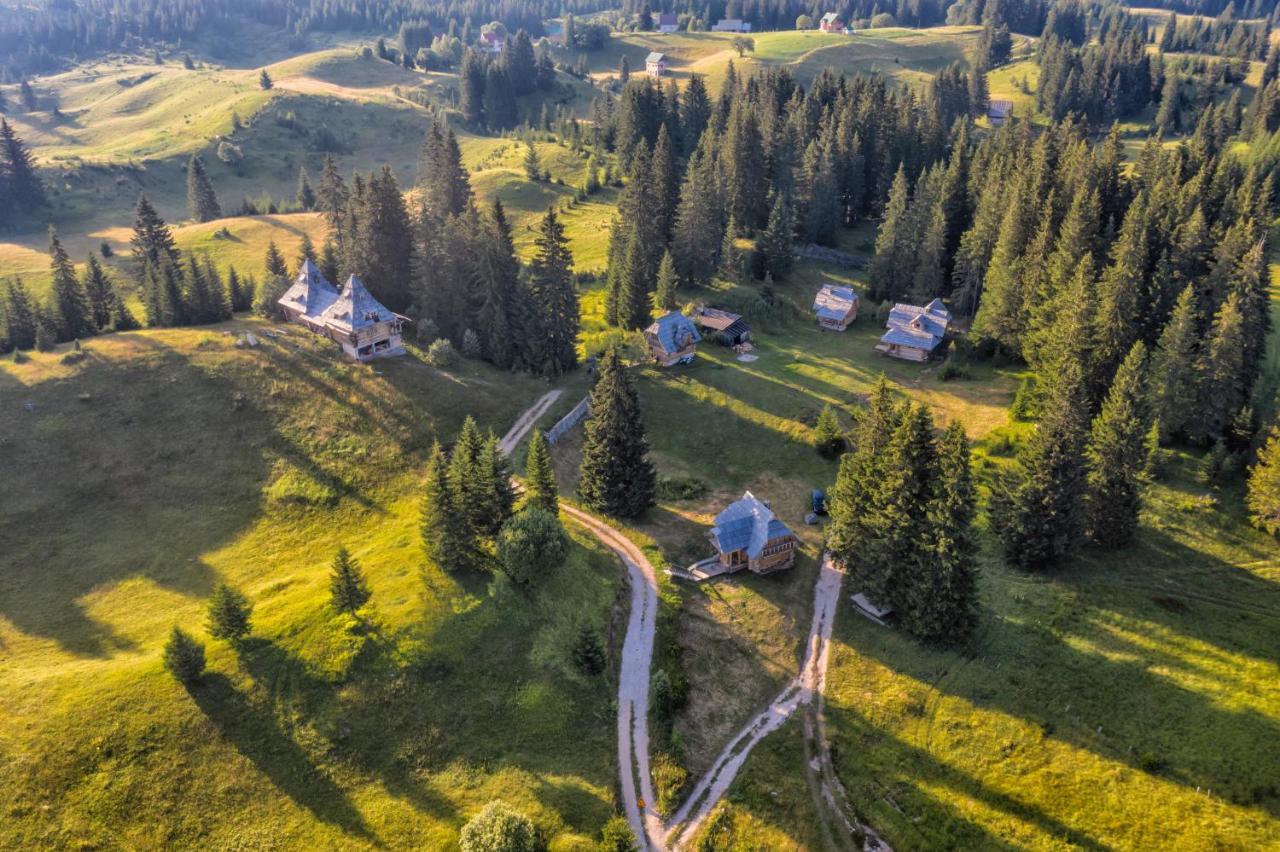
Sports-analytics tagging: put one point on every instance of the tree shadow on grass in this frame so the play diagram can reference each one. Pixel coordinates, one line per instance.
(256, 734)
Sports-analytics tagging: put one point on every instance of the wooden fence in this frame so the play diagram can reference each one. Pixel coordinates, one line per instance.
(573, 418)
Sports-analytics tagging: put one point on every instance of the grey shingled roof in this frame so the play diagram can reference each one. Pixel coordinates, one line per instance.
(834, 301)
(355, 308)
(310, 292)
(655, 57)
(674, 331)
(747, 524)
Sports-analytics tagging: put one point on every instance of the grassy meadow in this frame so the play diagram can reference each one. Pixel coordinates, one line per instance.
(165, 462)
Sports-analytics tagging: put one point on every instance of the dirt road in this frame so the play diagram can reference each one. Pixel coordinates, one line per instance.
(525, 422)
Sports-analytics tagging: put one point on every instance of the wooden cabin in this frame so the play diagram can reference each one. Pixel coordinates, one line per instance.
(831, 23)
(835, 307)
(999, 111)
(747, 535)
(655, 64)
(668, 22)
(915, 332)
(672, 339)
(353, 318)
(727, 329)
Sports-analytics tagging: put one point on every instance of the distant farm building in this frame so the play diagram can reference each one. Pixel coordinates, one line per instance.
(747, 535)
(731, 25)
(914, 332)
(672, 339)
(655, 64)
(668, 22)
(831, 23)
(835, 307)
(353, 318)
(728, 329)
(999, 111)
(493, 41)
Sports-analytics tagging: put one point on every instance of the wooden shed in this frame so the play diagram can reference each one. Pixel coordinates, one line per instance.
(727, 329)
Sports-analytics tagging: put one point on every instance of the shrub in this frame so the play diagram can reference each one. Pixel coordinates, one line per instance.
(669, 778)
(531, 544)
(105, 249)
(470, 344)
(804, 22)
(827, 436)
(1026, 402)
(588, 652)
(616, 836)
(882, 20)
(499, 828)
(952, 369)
(441, 354)
(427, 332)
(184, 656)
(680, 488)
(266, 302)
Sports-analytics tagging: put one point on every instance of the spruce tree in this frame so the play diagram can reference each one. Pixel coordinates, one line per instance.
(532, 165)
(99, 293)
(229, 613)
(699, 223)
(828, 437)
(71, 313)
(1117, 454)
(383, 245)
(20, 315)
(1173, 369)
(274, 263)
(540, 478)
(183, 657)
(445, 539)
(265, 81)
(332, 197)
(306, 251)
(774, 244)
(730, 257)
(1220, 375)
(665, 295)
(588, 652)
(1263, 498)
(616, 476)
(151, 240)
(202, 202)
(348, 589)
(941, 597)
(500, 497)
(305, 196)
(470, 485)
(1037, 511)
(553, 300)
(890, 268)
(502, 320)
(18, 178)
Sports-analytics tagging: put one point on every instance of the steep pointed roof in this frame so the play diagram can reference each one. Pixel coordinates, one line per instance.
(355, 308)
(747, 524)
(310, 292)
(674, 331)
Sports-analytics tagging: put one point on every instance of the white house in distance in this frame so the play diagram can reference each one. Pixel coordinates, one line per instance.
(655, 64)
(668, 22)
(493, 41)
(731, 25)
(915, 332)
(353, 318)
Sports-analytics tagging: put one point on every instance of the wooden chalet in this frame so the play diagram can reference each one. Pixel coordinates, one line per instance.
(831, 23)
(353, 318)
(668, 22)
(731, 25)
(835, 307)
(727, 329)
(999, 111)
(915, 332)
(672, 339)
(655, 64)
(747, 535)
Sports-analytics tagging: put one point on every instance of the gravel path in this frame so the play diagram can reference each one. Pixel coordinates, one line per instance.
(516, 433)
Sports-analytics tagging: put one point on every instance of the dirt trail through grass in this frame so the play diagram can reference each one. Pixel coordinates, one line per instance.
(516, 434)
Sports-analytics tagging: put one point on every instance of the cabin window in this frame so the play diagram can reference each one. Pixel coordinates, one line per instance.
(382, 345)
(364, 350)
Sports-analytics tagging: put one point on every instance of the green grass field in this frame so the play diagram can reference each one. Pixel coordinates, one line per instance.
(187, 462)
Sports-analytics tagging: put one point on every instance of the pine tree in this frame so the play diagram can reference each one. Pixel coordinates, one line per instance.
(382, 248)
(500, 497)
(99, 294)
(274, 263)
(20, 315)
(502, 320)
(540, 478)
(891, 265)
(588, 652)
(202, 203)
(553, 299)
(332, 198)
(532, 165)
(1117, 454)
(1038, 511)
(18, 178)
(183, 657)
(1220, 370)
(828, 437)
(306, 250)
(152, 241)
(699, 224)
(264, 80)
(1173, 369)
(348, 589)
(305, 196)
(473, 88)
(328, 264)
(1263, 496)
(469, 484)
(730, 257)
(71, 313)
(774, 244)
(616, 476)
(229, 613)
(665, 295)
(942, 594)
(239, 297)
(445, 540)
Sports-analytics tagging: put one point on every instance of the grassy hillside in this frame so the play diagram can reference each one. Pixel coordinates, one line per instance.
(168, 461)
